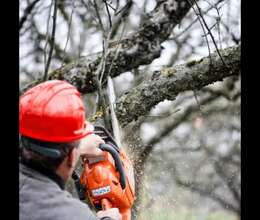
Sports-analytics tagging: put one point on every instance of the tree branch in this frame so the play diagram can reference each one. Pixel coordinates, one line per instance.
(176, 122)
(196, 187)
(169, 82)
(27, 12)
(204, 190)
(52, 40)
(138, 49)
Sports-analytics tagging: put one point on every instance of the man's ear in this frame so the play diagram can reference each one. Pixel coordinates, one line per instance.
(72, 156)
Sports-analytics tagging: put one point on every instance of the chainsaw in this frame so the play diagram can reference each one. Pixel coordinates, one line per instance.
(107, 181)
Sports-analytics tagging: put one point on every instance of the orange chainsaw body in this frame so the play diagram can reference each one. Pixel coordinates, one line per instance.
(101, 180)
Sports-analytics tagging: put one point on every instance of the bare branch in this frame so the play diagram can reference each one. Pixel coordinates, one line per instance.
(167, 83)
(229, 180)
(99, 17)
(194, 21)
(138, 49)
(122, 15)
(52, 40)
(108, 13)
(205, 191)
(171, 126)
(47, 34)
(27, 12)
(196, 187)
(199, 14)
(209, 31)
(68, 35)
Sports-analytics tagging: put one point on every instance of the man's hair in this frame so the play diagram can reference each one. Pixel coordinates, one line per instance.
(31, 155)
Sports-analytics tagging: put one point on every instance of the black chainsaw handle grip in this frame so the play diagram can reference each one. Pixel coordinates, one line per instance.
(80, 189)
(118, 163)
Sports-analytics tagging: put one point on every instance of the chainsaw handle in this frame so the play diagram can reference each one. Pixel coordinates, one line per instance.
(80, 188)
(118, 163)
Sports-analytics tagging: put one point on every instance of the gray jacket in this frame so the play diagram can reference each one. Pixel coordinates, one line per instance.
(41, 198)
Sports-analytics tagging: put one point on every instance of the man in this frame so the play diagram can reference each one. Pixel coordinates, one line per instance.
(54, 134)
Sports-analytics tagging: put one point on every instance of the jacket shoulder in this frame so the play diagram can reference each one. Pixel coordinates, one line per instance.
(42, 199)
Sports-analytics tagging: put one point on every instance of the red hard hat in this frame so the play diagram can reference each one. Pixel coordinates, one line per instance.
(53, 111)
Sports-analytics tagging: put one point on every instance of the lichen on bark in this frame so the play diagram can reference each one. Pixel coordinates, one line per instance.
(140, 48)
(163, 85)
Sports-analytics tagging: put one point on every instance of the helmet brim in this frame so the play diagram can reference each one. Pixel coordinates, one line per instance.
(87, 130)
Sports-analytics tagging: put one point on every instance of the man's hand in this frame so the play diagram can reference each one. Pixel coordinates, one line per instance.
(112, 213)
(89, 146)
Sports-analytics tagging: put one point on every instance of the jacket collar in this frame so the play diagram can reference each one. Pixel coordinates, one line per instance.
(44, 171)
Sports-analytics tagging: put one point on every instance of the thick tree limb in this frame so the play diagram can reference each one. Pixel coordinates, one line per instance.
(139, 49)
(168, 83)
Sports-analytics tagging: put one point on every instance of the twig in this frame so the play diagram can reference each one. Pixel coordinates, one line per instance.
(121, 17)
(202, 26)
(117, 49)
(47, 35)
(218, 27)
(52, 40)
(117, 5)
(196, 187)
(108, 13)
(193, 22)
(110, 6)
(27, 12)
(104, 57)
(227, 179)
(177, 53)
(85, 4)
(234, 38)
(68, 35)
(102, 102)
(98, 16)
(222, 173)
(61, 8)
(125, 8)
(101, 71)
(211, 35)
(98, 80)
(175, 123)
(197, 101)
(210, 29)
(217, 21)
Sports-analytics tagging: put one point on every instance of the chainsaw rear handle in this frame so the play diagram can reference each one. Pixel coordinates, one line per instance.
(80, 188)
(118, 163)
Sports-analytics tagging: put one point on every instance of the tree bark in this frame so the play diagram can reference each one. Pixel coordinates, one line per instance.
(141, 48)
(169, 82)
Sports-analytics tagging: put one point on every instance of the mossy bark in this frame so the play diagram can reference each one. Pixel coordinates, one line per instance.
(168, 83)
(140, 48)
